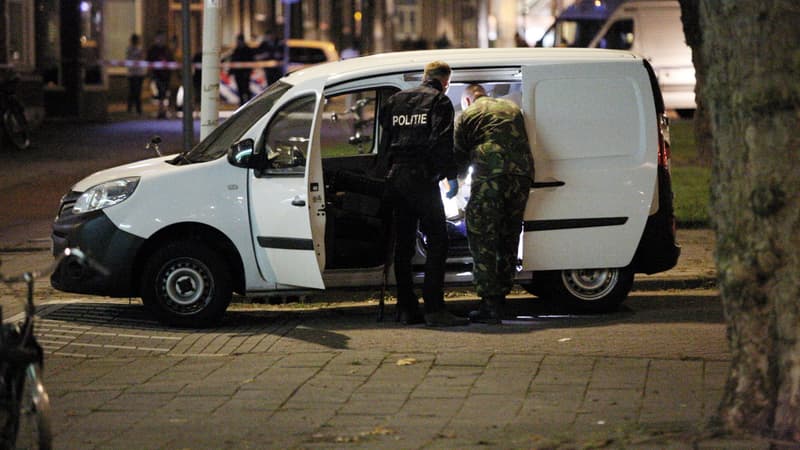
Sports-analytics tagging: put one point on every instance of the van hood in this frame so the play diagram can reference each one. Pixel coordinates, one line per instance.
(143, 168)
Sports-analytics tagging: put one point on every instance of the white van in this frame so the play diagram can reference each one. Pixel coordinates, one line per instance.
(285, 194)
(578, 24)
(653, 30)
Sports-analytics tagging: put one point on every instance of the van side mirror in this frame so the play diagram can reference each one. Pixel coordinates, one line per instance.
(242, 154)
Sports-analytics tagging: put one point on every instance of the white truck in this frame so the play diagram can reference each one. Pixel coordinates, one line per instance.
(653, 30)
(284, 195)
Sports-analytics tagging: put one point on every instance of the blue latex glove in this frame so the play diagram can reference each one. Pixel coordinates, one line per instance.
(453, 188)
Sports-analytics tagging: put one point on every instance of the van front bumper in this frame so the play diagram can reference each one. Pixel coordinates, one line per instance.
(105, 244)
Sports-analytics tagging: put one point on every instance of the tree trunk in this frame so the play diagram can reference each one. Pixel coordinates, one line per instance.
(693, 31)
(752, 91)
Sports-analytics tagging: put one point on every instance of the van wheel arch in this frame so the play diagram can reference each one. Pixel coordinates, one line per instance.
(210, 236)
(589, 291)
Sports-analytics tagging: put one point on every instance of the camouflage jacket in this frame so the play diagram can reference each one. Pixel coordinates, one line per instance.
(490, 135)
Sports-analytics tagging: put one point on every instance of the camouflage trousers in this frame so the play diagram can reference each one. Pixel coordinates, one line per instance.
(494, 223)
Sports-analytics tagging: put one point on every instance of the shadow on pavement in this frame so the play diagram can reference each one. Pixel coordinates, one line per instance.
(523, 314)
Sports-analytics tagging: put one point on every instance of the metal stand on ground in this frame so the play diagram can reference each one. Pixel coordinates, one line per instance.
(387, 261)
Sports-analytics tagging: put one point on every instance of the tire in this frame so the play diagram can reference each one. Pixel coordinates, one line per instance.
(34, 430)
(15, 127)
(591, 291)
(186, 284)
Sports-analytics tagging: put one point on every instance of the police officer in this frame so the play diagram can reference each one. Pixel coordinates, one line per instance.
(242, 53)
(490, 135)
(417, 141)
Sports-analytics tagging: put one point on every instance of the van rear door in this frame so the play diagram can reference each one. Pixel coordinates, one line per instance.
(592, 127)
(287, 199)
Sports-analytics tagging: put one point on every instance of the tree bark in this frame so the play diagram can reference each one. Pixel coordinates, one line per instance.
(693, 31)
(752, 91)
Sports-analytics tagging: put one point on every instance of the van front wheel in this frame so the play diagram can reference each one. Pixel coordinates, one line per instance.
(186, 284)
(586, 290)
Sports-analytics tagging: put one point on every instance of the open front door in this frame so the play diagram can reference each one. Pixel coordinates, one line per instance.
(593, 130)
(287, 198)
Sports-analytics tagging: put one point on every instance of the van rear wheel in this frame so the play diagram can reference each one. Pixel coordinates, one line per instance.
(584, 290)
(186, 284)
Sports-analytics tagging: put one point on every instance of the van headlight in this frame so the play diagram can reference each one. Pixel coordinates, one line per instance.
(106, 194)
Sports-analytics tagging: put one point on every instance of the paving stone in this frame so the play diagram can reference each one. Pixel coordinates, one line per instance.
(475, 359)
(137, 402)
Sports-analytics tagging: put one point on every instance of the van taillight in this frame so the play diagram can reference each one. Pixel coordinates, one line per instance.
(664, 153)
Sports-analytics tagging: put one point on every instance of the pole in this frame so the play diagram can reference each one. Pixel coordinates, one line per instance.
(188, 88)
(71, 61)
(287, 32)
(209, 107)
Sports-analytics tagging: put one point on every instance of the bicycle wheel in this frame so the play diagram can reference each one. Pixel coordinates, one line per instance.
(16, 128)
(33, 431)
(8, 407)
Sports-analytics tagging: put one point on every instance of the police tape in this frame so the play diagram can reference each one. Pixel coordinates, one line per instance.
(173, 65)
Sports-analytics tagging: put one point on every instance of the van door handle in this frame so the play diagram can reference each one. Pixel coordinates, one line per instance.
(547, 184)
(298, 202)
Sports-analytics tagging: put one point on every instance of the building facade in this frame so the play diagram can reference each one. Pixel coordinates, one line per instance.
(65, 50)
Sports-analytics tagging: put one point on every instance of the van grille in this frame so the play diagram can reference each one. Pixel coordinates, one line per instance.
(67, 202)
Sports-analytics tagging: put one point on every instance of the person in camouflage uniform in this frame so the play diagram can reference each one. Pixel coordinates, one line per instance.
(490, 135)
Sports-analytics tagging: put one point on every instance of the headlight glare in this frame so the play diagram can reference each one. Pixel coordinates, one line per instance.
(106, 194)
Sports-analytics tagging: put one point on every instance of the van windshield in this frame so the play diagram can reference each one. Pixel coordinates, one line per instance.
(217, 143)
(570, 33)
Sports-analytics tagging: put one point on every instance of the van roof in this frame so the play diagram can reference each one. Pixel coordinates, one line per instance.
(411, 61)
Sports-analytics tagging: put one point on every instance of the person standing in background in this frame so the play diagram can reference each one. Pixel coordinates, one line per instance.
(270, 49)
(160, 54)
(242, 54)
(134, 58)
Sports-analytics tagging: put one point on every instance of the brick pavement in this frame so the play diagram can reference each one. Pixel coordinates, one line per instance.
(330, 377)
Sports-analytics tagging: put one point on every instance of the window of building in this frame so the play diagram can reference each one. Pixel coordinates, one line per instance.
(122, 19)
(408, 13)
(20, 34)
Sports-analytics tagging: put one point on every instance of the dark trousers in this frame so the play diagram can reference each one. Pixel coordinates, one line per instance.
(135, 93)
(494, 222)
(243, 86)
(417, 201)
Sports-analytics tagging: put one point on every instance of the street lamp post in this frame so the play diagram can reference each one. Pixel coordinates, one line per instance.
(209, 107)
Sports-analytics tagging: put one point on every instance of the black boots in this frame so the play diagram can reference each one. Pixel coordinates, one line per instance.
(489, 311)
(412, 315)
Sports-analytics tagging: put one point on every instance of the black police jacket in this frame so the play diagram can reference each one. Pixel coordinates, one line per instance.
(418, 129)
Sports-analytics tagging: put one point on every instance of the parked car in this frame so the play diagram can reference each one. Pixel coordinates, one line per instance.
(283, 195)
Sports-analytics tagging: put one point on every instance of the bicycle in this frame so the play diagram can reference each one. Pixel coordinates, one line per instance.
(24, 403)
(12, 113)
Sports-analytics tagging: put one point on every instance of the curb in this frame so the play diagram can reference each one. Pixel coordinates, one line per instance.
(662, 284)
(24, 249)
